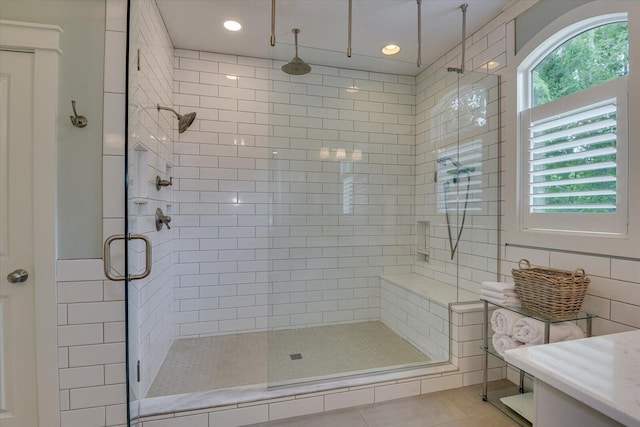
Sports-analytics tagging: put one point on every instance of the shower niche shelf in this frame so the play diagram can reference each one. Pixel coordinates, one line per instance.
(138, 175)
(423, 240)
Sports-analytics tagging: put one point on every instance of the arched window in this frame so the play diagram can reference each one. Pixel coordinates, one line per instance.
(573, 130)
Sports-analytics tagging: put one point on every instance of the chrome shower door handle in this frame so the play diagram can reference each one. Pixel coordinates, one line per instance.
(107, 256)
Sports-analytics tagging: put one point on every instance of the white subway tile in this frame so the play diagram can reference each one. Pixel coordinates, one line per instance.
(114, 61)
(295, 407)
(95, 312)
(200, 420)
(97, 396)
(397, 391)
(240, 416)
(80, 335)
(81, 377)
(626, 314)
(83, 417)
(96, 354)
(69, 292)
(625, 270)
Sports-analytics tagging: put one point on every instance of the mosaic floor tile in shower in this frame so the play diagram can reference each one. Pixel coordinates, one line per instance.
(277, 357)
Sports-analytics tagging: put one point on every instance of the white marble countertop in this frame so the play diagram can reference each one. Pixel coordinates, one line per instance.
(602, 372)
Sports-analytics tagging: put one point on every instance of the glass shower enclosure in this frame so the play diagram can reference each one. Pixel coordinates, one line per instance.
(275, 217)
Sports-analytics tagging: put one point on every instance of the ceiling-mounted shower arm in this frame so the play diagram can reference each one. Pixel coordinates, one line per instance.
(350, 21)
(296, 66)
(272, 41)
(419, 61)
(460, 69)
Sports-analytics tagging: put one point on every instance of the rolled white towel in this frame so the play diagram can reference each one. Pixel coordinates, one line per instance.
(501, 301)
(531, 331)
(494, 294)
(504, 342)
(498, 286)
(502, 321)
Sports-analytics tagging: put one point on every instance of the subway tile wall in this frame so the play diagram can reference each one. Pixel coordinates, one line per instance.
(151, 135)
(293, 194)
(422, 321)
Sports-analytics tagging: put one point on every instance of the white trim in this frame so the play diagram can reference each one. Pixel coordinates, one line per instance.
(615, 245)
(43, 41)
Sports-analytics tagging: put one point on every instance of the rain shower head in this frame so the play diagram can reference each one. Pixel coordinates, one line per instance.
(184, 120)
(296, 66)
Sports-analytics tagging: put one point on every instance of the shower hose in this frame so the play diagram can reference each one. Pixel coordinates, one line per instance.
(464, 214)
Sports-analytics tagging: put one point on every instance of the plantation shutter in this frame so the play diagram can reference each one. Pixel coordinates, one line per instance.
(574, 159)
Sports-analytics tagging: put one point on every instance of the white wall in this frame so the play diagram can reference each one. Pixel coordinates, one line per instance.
(274, 143)
(79, 224)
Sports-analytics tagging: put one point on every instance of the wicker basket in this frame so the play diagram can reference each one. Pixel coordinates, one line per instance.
(556, 293)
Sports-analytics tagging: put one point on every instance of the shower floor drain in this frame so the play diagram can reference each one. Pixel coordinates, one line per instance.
(296, 356)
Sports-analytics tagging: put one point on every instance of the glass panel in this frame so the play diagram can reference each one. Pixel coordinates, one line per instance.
(348, 196)
(292, 195)
(478, 154)
(586, 60)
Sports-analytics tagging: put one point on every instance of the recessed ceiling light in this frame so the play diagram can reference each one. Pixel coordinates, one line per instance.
(232, 77)
(391, 49)
(232, 25)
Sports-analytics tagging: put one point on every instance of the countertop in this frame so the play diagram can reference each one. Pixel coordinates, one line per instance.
(603, 372)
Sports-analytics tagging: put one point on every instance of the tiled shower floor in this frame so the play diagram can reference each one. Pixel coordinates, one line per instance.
(226, 361)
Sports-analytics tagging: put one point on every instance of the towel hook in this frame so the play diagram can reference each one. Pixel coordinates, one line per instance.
(76, 120)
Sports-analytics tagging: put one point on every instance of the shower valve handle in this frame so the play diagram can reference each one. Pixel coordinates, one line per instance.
(163, 182)
(162, 219)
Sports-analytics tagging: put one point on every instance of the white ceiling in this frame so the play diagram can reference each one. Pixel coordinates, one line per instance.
(197, 25)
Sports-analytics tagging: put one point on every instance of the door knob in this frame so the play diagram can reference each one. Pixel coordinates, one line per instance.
(18, 276)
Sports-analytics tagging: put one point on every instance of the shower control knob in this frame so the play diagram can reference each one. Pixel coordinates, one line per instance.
(163, 182)
(162, 219)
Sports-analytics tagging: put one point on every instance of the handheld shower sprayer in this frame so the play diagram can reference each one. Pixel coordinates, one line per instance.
(459, 170)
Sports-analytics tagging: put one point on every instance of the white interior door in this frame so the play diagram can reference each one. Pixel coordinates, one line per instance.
(18, 394)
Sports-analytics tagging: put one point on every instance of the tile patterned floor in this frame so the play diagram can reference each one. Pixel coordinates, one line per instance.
(226, 361)
(461, 407)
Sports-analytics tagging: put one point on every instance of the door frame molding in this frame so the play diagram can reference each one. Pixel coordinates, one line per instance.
(44, 41)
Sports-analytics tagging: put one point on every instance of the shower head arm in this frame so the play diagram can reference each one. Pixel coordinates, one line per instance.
(160, 107)
(295, 35)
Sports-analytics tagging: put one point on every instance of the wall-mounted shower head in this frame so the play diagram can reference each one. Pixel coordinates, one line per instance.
(184, 120)
(296, 66)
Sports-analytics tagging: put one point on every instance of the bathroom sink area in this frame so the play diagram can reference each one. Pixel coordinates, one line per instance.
(594, 379)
